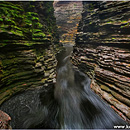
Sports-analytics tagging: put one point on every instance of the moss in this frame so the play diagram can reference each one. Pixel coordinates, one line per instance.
(103, 87)
(11, 16)
(37, 30)
(10, 71)
(124, 21)
(44, 80)
(39, 34)
(1, 19)
(39, 25)
(11, 5)
(21, 30)
(20, 33)
(31, 13)
(13, 77)
(40, 39)
(113, 38)
(109, 22)
(126, 25)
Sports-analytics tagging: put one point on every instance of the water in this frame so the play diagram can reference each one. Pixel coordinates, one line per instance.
(70, 104)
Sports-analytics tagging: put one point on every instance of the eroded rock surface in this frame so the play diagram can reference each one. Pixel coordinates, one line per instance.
(102, 51)
(28, 32)
(4, 120)
(68, 14)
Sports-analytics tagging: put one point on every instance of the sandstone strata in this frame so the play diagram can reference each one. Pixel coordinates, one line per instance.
(68, 14)
(27, 51)
(102, 51)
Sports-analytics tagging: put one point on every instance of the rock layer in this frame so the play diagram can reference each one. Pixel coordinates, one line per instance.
(68, 14)
(27, 49)
(102, 52)
(4, 120)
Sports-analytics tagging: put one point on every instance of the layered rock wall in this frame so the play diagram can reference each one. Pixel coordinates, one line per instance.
(102, 51)
(27, 21)
(27, 53)
(68, 14)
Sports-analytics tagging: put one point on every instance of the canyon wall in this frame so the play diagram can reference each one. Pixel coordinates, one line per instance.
(28, 32)
(68, 14)
(102, 51)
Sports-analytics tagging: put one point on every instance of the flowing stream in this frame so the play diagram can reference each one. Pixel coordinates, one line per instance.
(70, 104)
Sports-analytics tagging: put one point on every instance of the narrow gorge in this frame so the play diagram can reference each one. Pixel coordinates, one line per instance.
(64, 64)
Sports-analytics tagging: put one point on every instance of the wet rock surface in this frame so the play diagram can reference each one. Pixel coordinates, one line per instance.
(28, 34)
(30, 68)
(4, 120)
(102, 52)
(69, 104)
(27, 62)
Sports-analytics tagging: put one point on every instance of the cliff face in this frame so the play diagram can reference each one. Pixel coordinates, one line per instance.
(68, 14)
(102, 51)
(27, 21)
(27, 53)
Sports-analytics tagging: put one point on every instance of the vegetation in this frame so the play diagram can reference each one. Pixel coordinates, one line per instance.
(21, 20)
